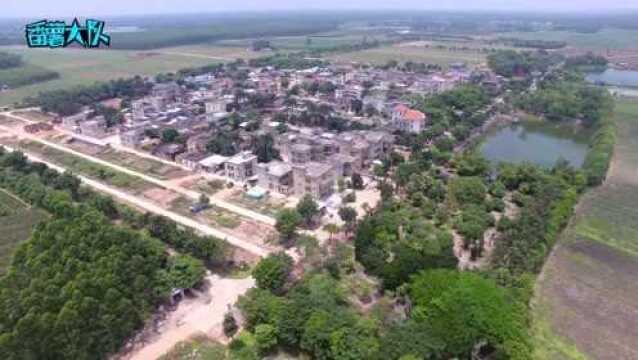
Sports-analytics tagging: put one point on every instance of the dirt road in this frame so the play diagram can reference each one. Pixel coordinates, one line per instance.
(151, 207)
(203, 314)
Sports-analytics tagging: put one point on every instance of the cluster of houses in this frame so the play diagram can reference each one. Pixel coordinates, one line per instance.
(311, 159)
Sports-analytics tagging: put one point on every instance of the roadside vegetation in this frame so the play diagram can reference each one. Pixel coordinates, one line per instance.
(101, 312)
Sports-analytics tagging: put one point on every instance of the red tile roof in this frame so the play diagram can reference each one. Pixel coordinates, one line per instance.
(409, 114)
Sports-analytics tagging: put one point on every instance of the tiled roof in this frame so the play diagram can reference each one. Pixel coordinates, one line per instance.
(409, 114)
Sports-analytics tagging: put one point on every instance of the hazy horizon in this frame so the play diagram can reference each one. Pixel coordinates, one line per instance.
(66, 8)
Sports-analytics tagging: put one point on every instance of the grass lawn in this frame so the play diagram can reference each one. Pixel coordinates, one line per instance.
(381, 55)
(16, 223)
(214, 215)
(82, 67)
(198, 348)
(586, 301)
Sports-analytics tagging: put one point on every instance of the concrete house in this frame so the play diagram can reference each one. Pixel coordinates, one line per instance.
(72, 122)
(95, 127)
(275, 176)
(197, 143)
(241, 167)
(212, 164)
(316, 179)
(409, 120)
(132, 138)
(168, 151)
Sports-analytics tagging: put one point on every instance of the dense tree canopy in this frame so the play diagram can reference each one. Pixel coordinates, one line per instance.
(77, 289)
(271, 273)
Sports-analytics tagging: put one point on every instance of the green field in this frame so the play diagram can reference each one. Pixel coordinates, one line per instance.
(17, 220)
(85, 167)
(586, 301)
(603, 39)
(24, 75)
(81, 66)
(381, 55)
(313, 42)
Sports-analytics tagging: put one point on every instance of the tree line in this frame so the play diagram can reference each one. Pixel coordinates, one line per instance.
(8, 60)
(71, 101)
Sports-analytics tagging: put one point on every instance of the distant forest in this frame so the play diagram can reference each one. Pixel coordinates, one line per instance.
(173, 30)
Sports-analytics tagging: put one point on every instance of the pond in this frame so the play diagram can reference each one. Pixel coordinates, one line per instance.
(540, 143)
(615, 77)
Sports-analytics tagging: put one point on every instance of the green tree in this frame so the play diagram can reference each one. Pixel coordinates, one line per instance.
(308, 209)
(264, 148)
(467, 190)
(169, 135)
(349, 216)
(272, 272)
(230, 324)
(287, 222)
(185, 272)
(464, 310)
(265, 337)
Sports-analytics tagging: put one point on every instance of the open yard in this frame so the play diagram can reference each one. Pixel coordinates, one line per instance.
(586, 301)
(17, 220)
(415, 53)
(82, 67)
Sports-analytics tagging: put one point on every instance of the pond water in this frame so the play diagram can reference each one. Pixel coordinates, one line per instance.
(615, 77)
(540, 143)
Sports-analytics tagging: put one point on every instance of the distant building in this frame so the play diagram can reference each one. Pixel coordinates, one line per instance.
(166, 90)
(132, 138)
(168, 151)
(213, 163)
(72, 122)
(197, 143)
(409, 120)
(190, 160)
(95, 127)
(216, 106)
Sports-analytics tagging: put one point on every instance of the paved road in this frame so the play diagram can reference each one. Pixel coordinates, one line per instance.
(151, 207)
(164, 184)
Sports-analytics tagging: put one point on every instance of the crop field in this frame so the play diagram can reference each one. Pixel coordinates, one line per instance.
(403, 53)
(82, 67)
(24, 75)
(586, 301)
(147, 166)
(313, 42)
(85, 167)
(17, 220)
(604, 39)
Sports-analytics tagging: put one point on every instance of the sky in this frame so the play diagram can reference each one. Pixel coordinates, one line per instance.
(68, 8)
